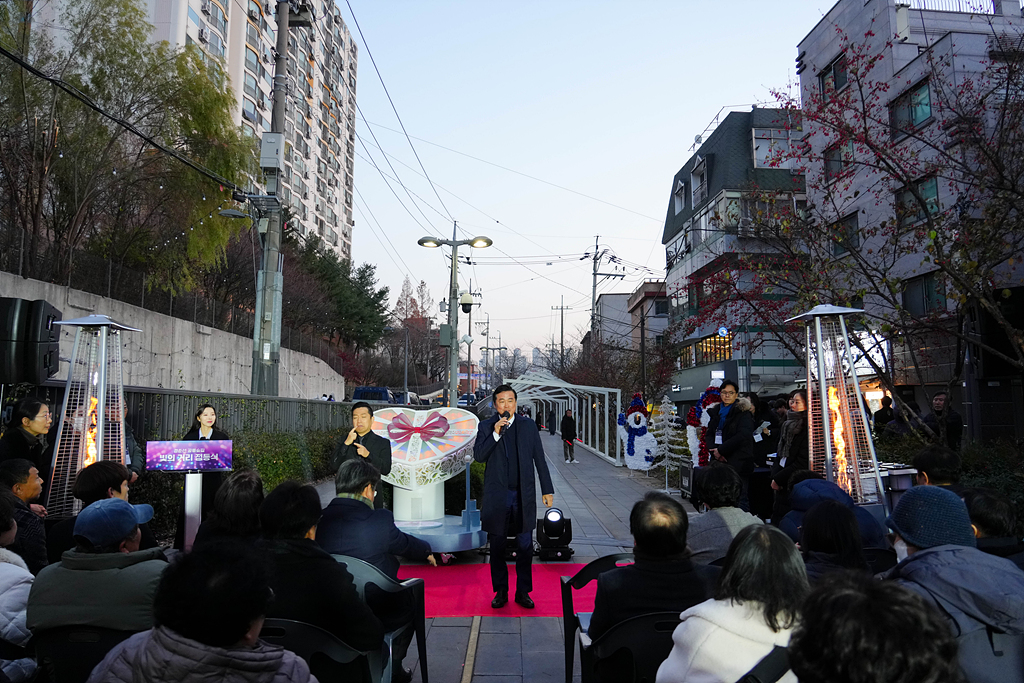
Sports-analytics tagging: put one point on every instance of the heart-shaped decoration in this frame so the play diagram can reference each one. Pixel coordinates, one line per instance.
(427, 446)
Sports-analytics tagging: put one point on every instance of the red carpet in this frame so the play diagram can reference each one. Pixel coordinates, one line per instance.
(464, 590)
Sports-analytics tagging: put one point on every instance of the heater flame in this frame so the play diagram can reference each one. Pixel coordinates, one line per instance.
(91, 420)
(840, 469)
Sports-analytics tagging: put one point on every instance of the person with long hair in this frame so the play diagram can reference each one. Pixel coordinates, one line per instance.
(236, 509)
(203, 429)
(830, 540)
(793, 452)
(25, 436)
(755, 608)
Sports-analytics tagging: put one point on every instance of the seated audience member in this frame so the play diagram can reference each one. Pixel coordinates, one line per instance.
(236, 510)
(830, 540)
(209, 610)
(995, 523)
(663, 578)
(855, 629)
(938, 559)
(309, 584)
(351, 526)
(754, 609)
(15, 583)
(809, 492)
(718, 488)
(938, 466)
(20, 479)
(102, 479)
(106, 581)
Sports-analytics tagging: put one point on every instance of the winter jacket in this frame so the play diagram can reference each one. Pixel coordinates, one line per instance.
(793, 448)
(719, 641)
(737, 435)
(1010, 547)
(568, 429)
(18, 443)
(161, 655)
(30, 542)
(820, 564)
(973, 589)
(812, 491)
(711, 533)
(15, 583)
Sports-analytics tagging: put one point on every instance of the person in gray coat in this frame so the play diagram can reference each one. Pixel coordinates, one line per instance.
(718, 488)
(209, 611)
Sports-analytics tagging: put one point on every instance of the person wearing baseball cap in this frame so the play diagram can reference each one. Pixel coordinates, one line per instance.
(980, 594)
(106, 580)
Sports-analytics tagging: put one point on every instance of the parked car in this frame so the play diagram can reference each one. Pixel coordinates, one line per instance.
(466, 400)
(374, 395)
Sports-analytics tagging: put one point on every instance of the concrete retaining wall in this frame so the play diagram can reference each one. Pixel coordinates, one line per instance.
(177, 354)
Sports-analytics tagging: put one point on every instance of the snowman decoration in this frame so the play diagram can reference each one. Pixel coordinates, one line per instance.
(641, 446)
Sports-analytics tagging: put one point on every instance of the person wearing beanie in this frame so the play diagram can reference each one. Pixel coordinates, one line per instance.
(979, 594)
(106, 580)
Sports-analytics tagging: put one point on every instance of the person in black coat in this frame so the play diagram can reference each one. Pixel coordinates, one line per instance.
(25, 436)
(995, 522)
(662, 579)
(730, 435)
(363, 442)
(510, 446)
(309, 585)
(21, 484)
(568, 430)
(236, 510)
(551, 423)
(203, 429)
(793, 454)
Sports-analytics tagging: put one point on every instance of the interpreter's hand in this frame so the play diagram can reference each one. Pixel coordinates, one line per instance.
(432, 560)
(133, 478)
(351, 437)
(499, 425)
(549, 499)
(775, 485)
(361, 450)
(38, 509)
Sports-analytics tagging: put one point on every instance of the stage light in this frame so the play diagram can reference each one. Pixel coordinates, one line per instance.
(554, 534)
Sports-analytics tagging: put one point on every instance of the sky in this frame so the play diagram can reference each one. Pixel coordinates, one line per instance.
(543, 125)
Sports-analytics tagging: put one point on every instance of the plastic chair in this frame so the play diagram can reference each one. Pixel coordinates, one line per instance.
(307, 641)
(364, 574)
(68, 654)
(647, 638)
(572, 620)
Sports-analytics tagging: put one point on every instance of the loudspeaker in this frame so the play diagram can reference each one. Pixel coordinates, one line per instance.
(29, 341)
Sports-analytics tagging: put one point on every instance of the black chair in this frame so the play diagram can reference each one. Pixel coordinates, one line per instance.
(312, 642)
(365, 574)
(646, 640)
(68, 654)
(580, 621)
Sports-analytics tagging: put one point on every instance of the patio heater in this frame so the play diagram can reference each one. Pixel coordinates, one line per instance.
(841, 449)
(91, 424)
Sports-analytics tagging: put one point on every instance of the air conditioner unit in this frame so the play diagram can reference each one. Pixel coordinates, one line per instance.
(267, 59)
(261, 105)
(305, 174)
(204, 35)
(205, 7)
(331, 182)
(268, 8)
(254, 14)
(746, 227)
(305, 195)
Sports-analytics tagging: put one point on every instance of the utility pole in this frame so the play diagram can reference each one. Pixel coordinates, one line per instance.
(643, 350)
(486, 353)
(563, 308)
(266, 347)
(598, 255)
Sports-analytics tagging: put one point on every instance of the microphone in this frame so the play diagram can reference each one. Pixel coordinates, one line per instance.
(505, 415)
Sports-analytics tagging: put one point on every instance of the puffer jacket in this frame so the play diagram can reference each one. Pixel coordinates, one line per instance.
(812, 491)
(719, 641)
(15, 583)
(161, 655)
(737, 434)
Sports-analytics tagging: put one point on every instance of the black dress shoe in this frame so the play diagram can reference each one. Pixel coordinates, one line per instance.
(401, 675)
(500, 599)
(524, 600)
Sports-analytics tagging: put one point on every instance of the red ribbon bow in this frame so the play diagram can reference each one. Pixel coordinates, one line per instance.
(401, 430)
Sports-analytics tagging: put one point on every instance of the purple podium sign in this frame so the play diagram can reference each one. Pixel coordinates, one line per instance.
(189, 456)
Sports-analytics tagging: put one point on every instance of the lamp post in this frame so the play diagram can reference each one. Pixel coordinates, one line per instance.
(452, 337)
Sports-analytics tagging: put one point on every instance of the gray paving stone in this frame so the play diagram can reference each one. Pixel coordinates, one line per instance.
(541, 634)
(451, 621)
(446, 652)
(483, 678)
(498, 654)
(499, 625)
(543, 666)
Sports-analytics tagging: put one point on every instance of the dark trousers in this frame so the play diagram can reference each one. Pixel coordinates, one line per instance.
(567, 449)
(524, 551)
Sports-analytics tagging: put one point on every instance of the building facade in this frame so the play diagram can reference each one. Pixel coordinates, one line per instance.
(320, 112)
(648, 311)
(708, 224)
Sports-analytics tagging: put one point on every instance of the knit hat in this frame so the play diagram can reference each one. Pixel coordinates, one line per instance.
(637, 405)
(927, 516)
(110, 520)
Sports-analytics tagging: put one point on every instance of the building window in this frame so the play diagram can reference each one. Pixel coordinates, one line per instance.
(910, 110)
(834, 77)
(910, 210)
(838, 159)
(679, 197)
(250, 86)
(714, 349)
(845, 235)
(249, 110)
(193, 16)
(686, 357)
(252, 60)
(771, 148)
(217, 18)
(923, 295)
(661, 307)
(699, 181)
(659, 340)
(216, 45)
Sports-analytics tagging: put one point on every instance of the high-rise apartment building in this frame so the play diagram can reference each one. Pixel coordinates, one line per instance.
(321, 108)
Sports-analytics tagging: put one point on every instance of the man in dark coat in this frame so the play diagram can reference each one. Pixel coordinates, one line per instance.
(941, 412)
(662, 579)
(363, 442)
(510, 446)
(22, 484)
(730, 435)
(551, 423)
(568, 429)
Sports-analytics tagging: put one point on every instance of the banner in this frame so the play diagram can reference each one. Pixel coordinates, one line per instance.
(189, 456)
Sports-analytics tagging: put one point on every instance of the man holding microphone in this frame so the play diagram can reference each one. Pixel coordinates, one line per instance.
(362, 442)
(510, 446)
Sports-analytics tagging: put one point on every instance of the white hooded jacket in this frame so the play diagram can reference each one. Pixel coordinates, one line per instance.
(15, 583)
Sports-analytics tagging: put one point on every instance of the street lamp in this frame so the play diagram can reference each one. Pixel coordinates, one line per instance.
(479, 242)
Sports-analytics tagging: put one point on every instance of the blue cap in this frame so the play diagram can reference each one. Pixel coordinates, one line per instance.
(110, 520)
(927, 516)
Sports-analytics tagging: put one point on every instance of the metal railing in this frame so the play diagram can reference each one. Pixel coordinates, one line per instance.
(964, 6)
